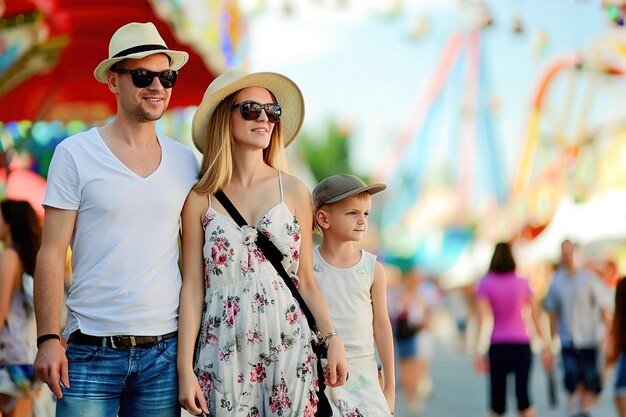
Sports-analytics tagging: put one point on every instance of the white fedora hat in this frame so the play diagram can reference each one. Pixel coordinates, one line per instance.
(285, 90)
(136, 41)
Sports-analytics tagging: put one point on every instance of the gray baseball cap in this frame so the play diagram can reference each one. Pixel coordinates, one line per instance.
(340, 186)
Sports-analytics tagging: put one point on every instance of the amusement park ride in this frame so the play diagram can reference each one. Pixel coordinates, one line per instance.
(579, 193)
(469, 157)
(449, 186)
(48, 50)
(433, 224)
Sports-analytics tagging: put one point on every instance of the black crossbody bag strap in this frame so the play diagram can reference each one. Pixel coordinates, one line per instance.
(271, 252)
(275, 256)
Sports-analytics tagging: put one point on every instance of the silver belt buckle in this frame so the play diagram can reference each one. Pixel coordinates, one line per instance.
(113, 343)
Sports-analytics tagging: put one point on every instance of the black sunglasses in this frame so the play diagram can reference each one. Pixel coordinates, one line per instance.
(143, 78)
(251, 110)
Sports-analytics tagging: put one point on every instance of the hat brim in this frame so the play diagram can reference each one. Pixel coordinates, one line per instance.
(287, 94)
(177, 60)
(372, 189)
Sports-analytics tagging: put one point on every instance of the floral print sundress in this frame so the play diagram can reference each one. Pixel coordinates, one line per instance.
(254, 355)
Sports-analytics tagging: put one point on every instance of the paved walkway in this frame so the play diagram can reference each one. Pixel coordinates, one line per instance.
(458, 391)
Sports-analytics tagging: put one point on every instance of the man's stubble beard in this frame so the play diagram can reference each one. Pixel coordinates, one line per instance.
(144, 116)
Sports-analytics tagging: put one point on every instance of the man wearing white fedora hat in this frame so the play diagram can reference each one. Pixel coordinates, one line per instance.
(115, 194)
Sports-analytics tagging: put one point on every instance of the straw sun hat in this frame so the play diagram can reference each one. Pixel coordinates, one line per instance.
(136, 41)
(285, 90)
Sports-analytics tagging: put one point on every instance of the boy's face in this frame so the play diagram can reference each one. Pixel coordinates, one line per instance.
(346, 219)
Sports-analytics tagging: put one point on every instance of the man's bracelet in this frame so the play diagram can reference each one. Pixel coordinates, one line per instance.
(47, 336)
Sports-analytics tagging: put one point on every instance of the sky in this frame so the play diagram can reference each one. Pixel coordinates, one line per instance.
(359, 63)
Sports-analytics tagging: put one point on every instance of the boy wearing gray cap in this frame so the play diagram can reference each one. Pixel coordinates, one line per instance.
(354, 287)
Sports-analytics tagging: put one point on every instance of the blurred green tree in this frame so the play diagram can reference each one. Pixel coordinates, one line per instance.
(326, 150)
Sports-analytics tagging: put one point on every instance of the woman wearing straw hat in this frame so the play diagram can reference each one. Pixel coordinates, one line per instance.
(254, 356)
(115, 193)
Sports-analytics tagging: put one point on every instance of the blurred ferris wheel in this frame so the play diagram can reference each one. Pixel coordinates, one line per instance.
(572, 142)
(575, 140)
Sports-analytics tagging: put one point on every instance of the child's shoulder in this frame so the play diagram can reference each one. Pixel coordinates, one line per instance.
(369, 257)
(367, 264)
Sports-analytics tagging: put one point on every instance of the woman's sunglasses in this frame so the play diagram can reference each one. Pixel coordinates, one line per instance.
(143, 78)
(251, 110)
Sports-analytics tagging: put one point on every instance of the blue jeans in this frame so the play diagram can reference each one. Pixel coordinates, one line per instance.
(406, 348)
(580, 366)
(134, 382)
(620, 376)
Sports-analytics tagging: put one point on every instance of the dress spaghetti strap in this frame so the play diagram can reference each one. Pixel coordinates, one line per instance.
(280, 183)
(210, 203)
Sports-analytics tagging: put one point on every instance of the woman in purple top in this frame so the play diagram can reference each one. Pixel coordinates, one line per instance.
(505, 297)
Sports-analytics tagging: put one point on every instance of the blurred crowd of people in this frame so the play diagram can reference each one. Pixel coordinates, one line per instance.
(572, 319)
(21, 394)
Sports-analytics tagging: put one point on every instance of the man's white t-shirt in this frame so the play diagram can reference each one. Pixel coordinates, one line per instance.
(125, 278)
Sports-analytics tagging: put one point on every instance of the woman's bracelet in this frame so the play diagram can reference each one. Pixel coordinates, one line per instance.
(47, 336)
(329, 336)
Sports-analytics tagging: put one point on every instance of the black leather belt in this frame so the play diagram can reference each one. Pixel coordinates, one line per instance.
(117, 342)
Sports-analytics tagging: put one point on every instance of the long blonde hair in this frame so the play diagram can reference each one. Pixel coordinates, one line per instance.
(216, 169)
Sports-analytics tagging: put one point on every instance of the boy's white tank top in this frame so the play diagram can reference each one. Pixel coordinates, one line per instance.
(347, 293)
